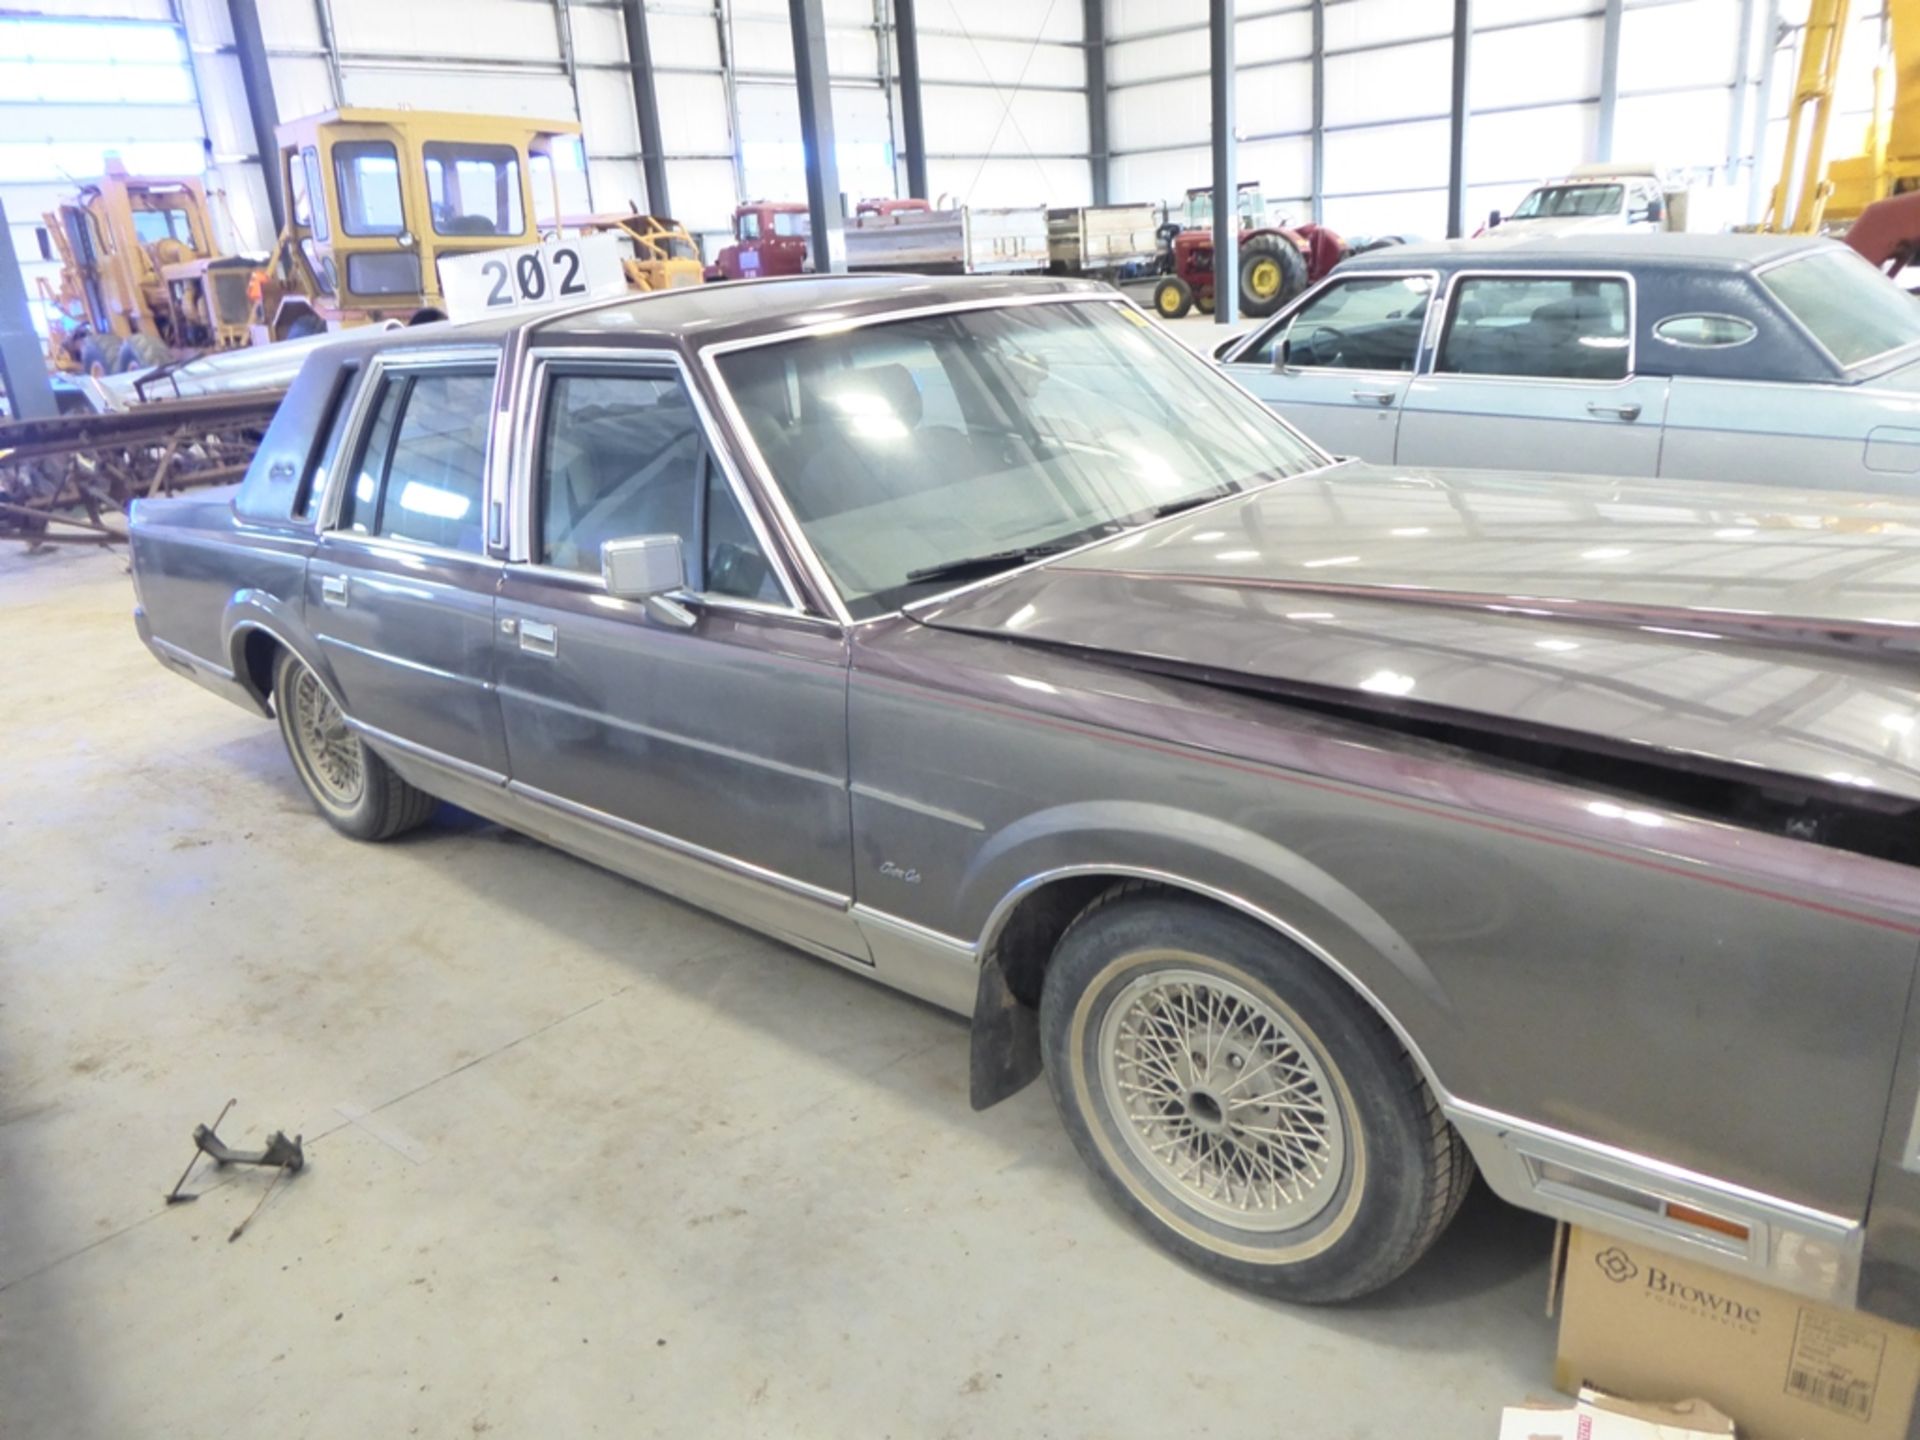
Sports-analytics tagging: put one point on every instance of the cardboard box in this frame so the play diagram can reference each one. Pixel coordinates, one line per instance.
(1640, 1323)
(1595, 1416)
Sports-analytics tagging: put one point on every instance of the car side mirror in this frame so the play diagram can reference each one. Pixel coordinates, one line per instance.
(650, 569)
(1282, 352)
(1655, 210)
(1493, 220)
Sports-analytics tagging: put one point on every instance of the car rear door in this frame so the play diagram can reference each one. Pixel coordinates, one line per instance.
(1339, 364)
(1534, 371)
(703, 752)
(400, 589)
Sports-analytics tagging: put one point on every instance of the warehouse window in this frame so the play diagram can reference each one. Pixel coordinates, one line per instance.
(474, 189)
(366, 173)
(1538, 327)
(123, 63)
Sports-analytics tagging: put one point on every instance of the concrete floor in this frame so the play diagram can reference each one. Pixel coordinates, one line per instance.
(583, 1161)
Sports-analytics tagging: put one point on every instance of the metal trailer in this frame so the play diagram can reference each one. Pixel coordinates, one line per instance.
(1102, 239)
(972, 240)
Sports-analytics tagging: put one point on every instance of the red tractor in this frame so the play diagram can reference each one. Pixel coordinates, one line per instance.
(1276, 262)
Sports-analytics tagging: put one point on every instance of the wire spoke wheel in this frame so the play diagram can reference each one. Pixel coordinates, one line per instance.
(1222, 1099)
(329, 752)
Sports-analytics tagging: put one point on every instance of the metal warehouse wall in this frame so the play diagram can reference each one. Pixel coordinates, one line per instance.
(1687, 91)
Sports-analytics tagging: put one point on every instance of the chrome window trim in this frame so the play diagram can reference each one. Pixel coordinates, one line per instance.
(1430, 370)
(1813, 252)
(532, 367)
(790, 524)
(400, 547)
(1753, 330)
(1336, 278)
(324, 505)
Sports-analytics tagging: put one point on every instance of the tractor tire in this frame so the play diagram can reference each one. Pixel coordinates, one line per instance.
(1272, 272)
(1172, 298)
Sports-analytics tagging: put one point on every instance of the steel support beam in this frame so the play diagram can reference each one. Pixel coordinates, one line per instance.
(1457, 120)
(1093, 34)
(646, 106)
(913, 130)
(1317, 131)
(23, 364)
(1226, 190)
(1757, 187)
(250, 48)
(1609, 78)
(816, 134)
(1742, 82)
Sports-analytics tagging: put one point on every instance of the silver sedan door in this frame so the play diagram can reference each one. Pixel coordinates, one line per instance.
(1338, 366)
(1535, 372)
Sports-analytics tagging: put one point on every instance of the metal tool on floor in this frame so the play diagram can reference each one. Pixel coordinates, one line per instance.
(285, 1156)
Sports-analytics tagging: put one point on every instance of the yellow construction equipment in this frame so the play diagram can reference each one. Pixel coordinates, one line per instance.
(377, 197)
(661, 255)
(139, 263)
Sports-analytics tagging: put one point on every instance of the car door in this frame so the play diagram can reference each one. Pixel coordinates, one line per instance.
(1339, 364)
(701, 746)
(400, 589)
(1534, 371)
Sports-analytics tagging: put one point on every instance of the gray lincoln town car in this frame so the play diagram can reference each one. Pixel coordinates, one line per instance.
(1321, 832)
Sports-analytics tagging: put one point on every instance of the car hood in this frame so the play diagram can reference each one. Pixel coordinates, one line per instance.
(1731, 628)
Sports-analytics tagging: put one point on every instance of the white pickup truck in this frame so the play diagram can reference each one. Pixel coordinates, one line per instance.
(1593, 197)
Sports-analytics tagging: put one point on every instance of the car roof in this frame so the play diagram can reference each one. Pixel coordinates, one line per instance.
(1658, 250)
(699, 316)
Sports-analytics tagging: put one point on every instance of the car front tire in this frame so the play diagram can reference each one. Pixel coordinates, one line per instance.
(1243, 1107)
(357, 791)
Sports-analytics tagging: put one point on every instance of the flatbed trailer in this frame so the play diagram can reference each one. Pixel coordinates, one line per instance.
(1101, 239)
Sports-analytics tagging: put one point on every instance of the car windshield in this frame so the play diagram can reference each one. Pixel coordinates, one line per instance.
(1556, 201)
(1851, 308)
(920, 453)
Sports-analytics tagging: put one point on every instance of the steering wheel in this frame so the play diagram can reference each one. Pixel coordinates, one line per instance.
(1333, 337)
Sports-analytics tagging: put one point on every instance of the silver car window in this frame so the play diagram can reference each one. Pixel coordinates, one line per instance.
(622, 455)
(422, 465)
(907, 446)
(1536, 326)
(1358, 324)
(1851, 308)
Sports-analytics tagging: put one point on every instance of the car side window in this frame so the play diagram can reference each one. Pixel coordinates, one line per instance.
(421, 469)
(1705, 331)
(621, 455)
(734, 563)
(1538, 327)
(1357, 324)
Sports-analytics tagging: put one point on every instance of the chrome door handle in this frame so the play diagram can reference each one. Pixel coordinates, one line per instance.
(333, 589)
(1619, 412)
(538, 639)
(1379, 397)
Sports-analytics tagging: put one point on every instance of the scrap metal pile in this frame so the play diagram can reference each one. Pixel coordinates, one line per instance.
(71, 477)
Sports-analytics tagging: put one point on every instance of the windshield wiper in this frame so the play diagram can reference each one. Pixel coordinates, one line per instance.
(969, 565)
(1192, 502)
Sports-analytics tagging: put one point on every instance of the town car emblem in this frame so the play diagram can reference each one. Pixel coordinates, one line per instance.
(895, 872)
(1616, 1265)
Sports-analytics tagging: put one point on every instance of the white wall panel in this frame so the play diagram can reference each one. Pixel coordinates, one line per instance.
(1372, 22)
(600, 36)
(1275, 99)
(767, 45)
(1522, 146)
(1422, 214)
(1125, 17)
(1159, 178)
(1504, 12)
(1011, 181)
(693, 115)
(1673, 131)
(1056, 20)
(1000, 62)
(1404, 81)
(1540, 63)
(300, 87)
(703, 194)
(1690, 43)
(541, 97)
(619, 188)
(284, 24)
(1284, 36)
(1164, 114)
(1283, 169)
(972, 121)
(1132, 60)
(1389, 157)
(104, 9)
(473, 29)
(688, 40)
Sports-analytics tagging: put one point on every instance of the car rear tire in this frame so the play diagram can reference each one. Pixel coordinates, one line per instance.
(1162, 1017)
(1272, 272)
(357, 791)
(1172, 298)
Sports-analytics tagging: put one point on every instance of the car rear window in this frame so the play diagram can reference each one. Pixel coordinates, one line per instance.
(1851, 308)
